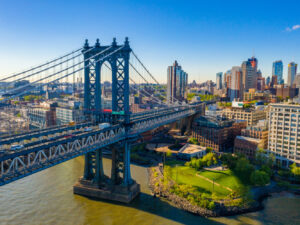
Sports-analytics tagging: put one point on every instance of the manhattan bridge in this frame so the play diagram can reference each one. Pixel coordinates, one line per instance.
(50, 149)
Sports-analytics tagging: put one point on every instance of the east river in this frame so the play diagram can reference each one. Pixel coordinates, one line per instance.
(47, 198)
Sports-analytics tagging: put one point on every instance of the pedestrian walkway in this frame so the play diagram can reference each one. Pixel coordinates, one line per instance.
(215, 183)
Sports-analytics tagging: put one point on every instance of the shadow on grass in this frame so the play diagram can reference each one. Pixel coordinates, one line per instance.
(215, 171)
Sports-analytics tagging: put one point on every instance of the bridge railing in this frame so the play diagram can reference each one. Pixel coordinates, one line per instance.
(24, 163)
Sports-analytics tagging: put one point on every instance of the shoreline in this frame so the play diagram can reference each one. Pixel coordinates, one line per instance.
(262, 194)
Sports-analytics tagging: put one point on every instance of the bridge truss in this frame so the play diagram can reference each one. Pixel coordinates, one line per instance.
(52, 148)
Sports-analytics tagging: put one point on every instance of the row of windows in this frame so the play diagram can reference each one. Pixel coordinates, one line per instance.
(285, 110)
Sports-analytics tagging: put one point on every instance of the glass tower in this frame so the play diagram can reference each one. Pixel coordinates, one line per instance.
(278, 71)
(219, 80)
(292, 70)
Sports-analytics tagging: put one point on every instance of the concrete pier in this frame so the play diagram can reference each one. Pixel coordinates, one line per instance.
(106, 191)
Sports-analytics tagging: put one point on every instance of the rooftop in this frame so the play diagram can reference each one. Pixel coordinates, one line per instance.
(284, 105)
(248, 139)
(190, 149)
(214, 121)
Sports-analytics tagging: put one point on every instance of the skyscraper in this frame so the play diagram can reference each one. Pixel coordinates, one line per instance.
(260, 84)
(253, 62)
(227, 78)
(277, 70)
(250, 74)
(256, 73)
(219, 80)
(176, 84)
(292, 71)
(236, 83)
(268, 80)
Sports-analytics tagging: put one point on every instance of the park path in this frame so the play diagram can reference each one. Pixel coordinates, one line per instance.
(209, 180)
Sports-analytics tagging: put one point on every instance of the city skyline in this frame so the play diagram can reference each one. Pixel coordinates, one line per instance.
(204, 43)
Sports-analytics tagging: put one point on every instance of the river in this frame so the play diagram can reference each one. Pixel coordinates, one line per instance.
(47, 198)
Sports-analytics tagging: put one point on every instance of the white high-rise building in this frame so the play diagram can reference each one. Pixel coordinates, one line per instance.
(284, 133)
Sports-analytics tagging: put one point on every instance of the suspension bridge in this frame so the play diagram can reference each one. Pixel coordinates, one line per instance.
(51, 147)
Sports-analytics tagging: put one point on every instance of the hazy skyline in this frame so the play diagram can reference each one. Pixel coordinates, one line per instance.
(204, 37)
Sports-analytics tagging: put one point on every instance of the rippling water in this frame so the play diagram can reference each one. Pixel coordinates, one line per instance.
(47, 198)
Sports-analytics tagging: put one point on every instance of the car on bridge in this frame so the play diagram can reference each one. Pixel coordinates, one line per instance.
(87, 129)
(16, 147)
(68, 136)
(2, 152)
(104, 125)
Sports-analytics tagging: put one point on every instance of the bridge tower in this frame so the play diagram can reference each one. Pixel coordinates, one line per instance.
(94, 183)
(119, 61)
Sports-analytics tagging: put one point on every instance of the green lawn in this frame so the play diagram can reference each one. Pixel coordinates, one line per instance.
(225, 178)
(186, 175)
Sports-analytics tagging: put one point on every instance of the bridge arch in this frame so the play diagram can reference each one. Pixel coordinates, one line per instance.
(118, 58)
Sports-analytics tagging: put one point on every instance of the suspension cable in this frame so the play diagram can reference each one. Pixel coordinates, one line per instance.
(150, 73)
(28, 70)
(158, 100)
(43, 70)
(144, 67)
(62, 70)
(43, 84)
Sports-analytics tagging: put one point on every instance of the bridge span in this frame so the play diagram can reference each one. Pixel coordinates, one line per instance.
(52, 146)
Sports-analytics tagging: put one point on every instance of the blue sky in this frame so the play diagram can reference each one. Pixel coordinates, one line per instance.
(204, 36)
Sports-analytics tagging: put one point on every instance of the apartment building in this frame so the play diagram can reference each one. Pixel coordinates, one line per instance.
(217, 132)
(252, 116)
(284, 133)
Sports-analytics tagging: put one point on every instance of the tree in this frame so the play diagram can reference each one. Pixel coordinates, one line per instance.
(208, 149)
(193, 141)
(190, 96)
(259, 178)
(295, 170)
(261, 158)
(211, 205)
(266, 169)
(229, 160)
(199, 164)
(246, 106)
(209, 163)
(243, 168)
(168, 153)
(220, 104)
(279, 98)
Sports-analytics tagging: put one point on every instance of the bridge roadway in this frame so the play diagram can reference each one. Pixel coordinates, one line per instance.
(40, 133)
(50, 152)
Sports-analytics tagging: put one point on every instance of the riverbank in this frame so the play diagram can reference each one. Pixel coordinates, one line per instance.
(159, 188)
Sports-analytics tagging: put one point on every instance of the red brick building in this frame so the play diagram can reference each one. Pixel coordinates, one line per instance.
(216, 132)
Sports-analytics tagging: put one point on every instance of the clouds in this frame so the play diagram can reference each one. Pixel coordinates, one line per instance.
(295, 27)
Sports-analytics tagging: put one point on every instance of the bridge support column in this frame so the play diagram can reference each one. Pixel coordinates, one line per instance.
(119, 188)
(88, 167)
(99, 173)
(127, 175)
